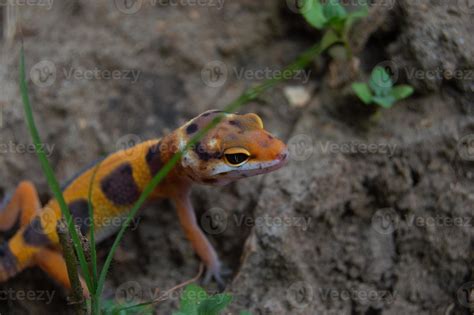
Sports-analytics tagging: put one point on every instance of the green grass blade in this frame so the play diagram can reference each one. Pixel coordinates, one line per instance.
(48, 171)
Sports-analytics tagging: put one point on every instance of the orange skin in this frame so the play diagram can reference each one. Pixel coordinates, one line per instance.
(237, 147)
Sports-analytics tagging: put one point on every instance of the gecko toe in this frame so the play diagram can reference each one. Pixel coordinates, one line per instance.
(217, 275)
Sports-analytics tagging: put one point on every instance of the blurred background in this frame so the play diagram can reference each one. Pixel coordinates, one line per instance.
(373, 214)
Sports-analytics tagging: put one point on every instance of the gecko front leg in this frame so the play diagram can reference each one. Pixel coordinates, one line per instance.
(199, 241)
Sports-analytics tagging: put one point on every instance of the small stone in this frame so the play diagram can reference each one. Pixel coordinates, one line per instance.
(297, 96)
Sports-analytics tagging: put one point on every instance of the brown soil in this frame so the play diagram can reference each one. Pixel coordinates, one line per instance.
(344, 261)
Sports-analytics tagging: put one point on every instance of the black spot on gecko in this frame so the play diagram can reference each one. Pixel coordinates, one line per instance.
(192, 128)
(120, 187)
(80, 212)
(236, 124)
(153, 159)
(34, 234)
(204, 155)
(8, 260)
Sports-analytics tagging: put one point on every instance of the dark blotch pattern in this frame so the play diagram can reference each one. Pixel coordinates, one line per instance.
(34, 234)
(204, 155)
(120, 187)
(8, 260)
(153, 159)
(80, 212)
(236, 124)
(192, 128)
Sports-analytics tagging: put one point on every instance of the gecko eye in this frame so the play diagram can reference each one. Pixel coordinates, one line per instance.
(236, 156)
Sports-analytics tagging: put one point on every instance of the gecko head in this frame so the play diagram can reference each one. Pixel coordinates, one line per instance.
(237, 147)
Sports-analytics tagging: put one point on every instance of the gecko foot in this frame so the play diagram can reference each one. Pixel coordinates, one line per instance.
(217, 273)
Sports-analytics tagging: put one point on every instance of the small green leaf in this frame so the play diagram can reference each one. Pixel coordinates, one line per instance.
(363, 92)
(402, 91)
(334, 10)
(214, 305)
(380, 82)
(384, 101)
(191, 298)
(312, 11)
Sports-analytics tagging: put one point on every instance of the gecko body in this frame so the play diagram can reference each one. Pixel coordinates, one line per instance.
(236, 148)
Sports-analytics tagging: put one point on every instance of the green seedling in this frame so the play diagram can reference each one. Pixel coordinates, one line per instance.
(380, 89)
(331, 14)
(195, 301)
(110, 307)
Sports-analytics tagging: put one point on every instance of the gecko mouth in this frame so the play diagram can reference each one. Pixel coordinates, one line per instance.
(257, 168)
(274, 165)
